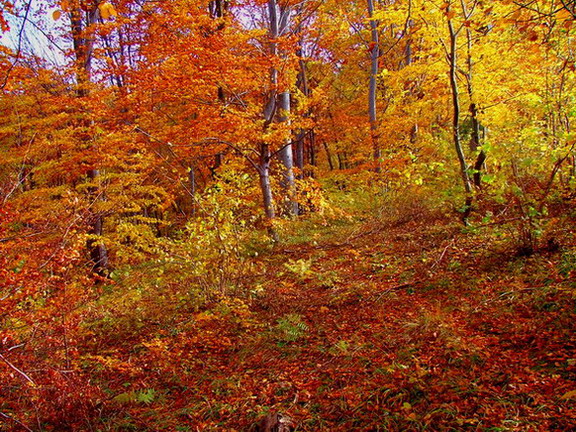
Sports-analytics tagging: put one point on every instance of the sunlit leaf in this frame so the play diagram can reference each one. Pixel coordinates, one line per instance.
(570, 395)
(107, 10)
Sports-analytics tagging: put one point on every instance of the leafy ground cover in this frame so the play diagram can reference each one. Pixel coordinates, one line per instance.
(413, 326)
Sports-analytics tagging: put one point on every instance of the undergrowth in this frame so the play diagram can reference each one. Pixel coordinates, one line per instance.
(390, 318)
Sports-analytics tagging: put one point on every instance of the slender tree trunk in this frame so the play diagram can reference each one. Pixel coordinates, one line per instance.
(83, 46)
(286, 157)
(98, 251)
(192, 181)
(414, 134)
(266, 187)
(479, 165)
(304, 135)
(299, 153)
(302, 83)
(374, 56)
(408, 53)
(217, 164)
(408, 58)
(475, 142)
(279, 19)
(328, 156)
(456, 122)
(218, 8)
(269, 113)
(341, 161)
(312, 149)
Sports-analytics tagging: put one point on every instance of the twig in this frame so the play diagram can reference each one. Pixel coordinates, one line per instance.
(16, 237)
(16, 346)
(6, 416)
(504, 294)
(394, 288)
(5, 360)
(442, 254)
(555, 170)
(19, 49)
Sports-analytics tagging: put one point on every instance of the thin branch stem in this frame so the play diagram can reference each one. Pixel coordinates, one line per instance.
(19, 49)
(22, 373)
(18, 422)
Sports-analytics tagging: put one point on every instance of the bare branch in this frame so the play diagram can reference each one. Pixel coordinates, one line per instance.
(19, 49)
(6, 416)
(22, 373)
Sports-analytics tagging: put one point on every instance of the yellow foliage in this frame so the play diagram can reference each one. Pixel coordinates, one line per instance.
(107, 10)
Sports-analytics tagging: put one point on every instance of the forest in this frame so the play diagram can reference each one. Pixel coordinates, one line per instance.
(287, 215)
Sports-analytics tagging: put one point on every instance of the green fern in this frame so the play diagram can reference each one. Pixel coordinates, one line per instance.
(290, 328)
(139, 396)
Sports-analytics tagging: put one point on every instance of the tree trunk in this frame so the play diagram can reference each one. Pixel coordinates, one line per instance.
(328, 156)
(342, 164)
(218, 8)
(408, 58)
(312, 149)
(302, 83)
(97, 249)
(475, 142)
(267, 191)
(279, 18)
(456, 122)
(192, 181)
(299, 153)
(408, 53)
(83, 47)
(374, 56)
(286, 157)
(217, 164)
(266, 187)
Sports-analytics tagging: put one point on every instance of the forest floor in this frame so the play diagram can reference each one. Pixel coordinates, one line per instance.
(409, 326)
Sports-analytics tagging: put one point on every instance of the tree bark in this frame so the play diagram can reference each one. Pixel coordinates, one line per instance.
(98, 251)
(328, 156)
(312, 149)
(265, 182)
(475, 141)
(342, 162)
(299, 153)
(266, 187)
(279, 21)
(285, 154)
(456, 122)
(374, 56)
(304, 135)
(218, 8)
(192, 181)
(83, 48)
